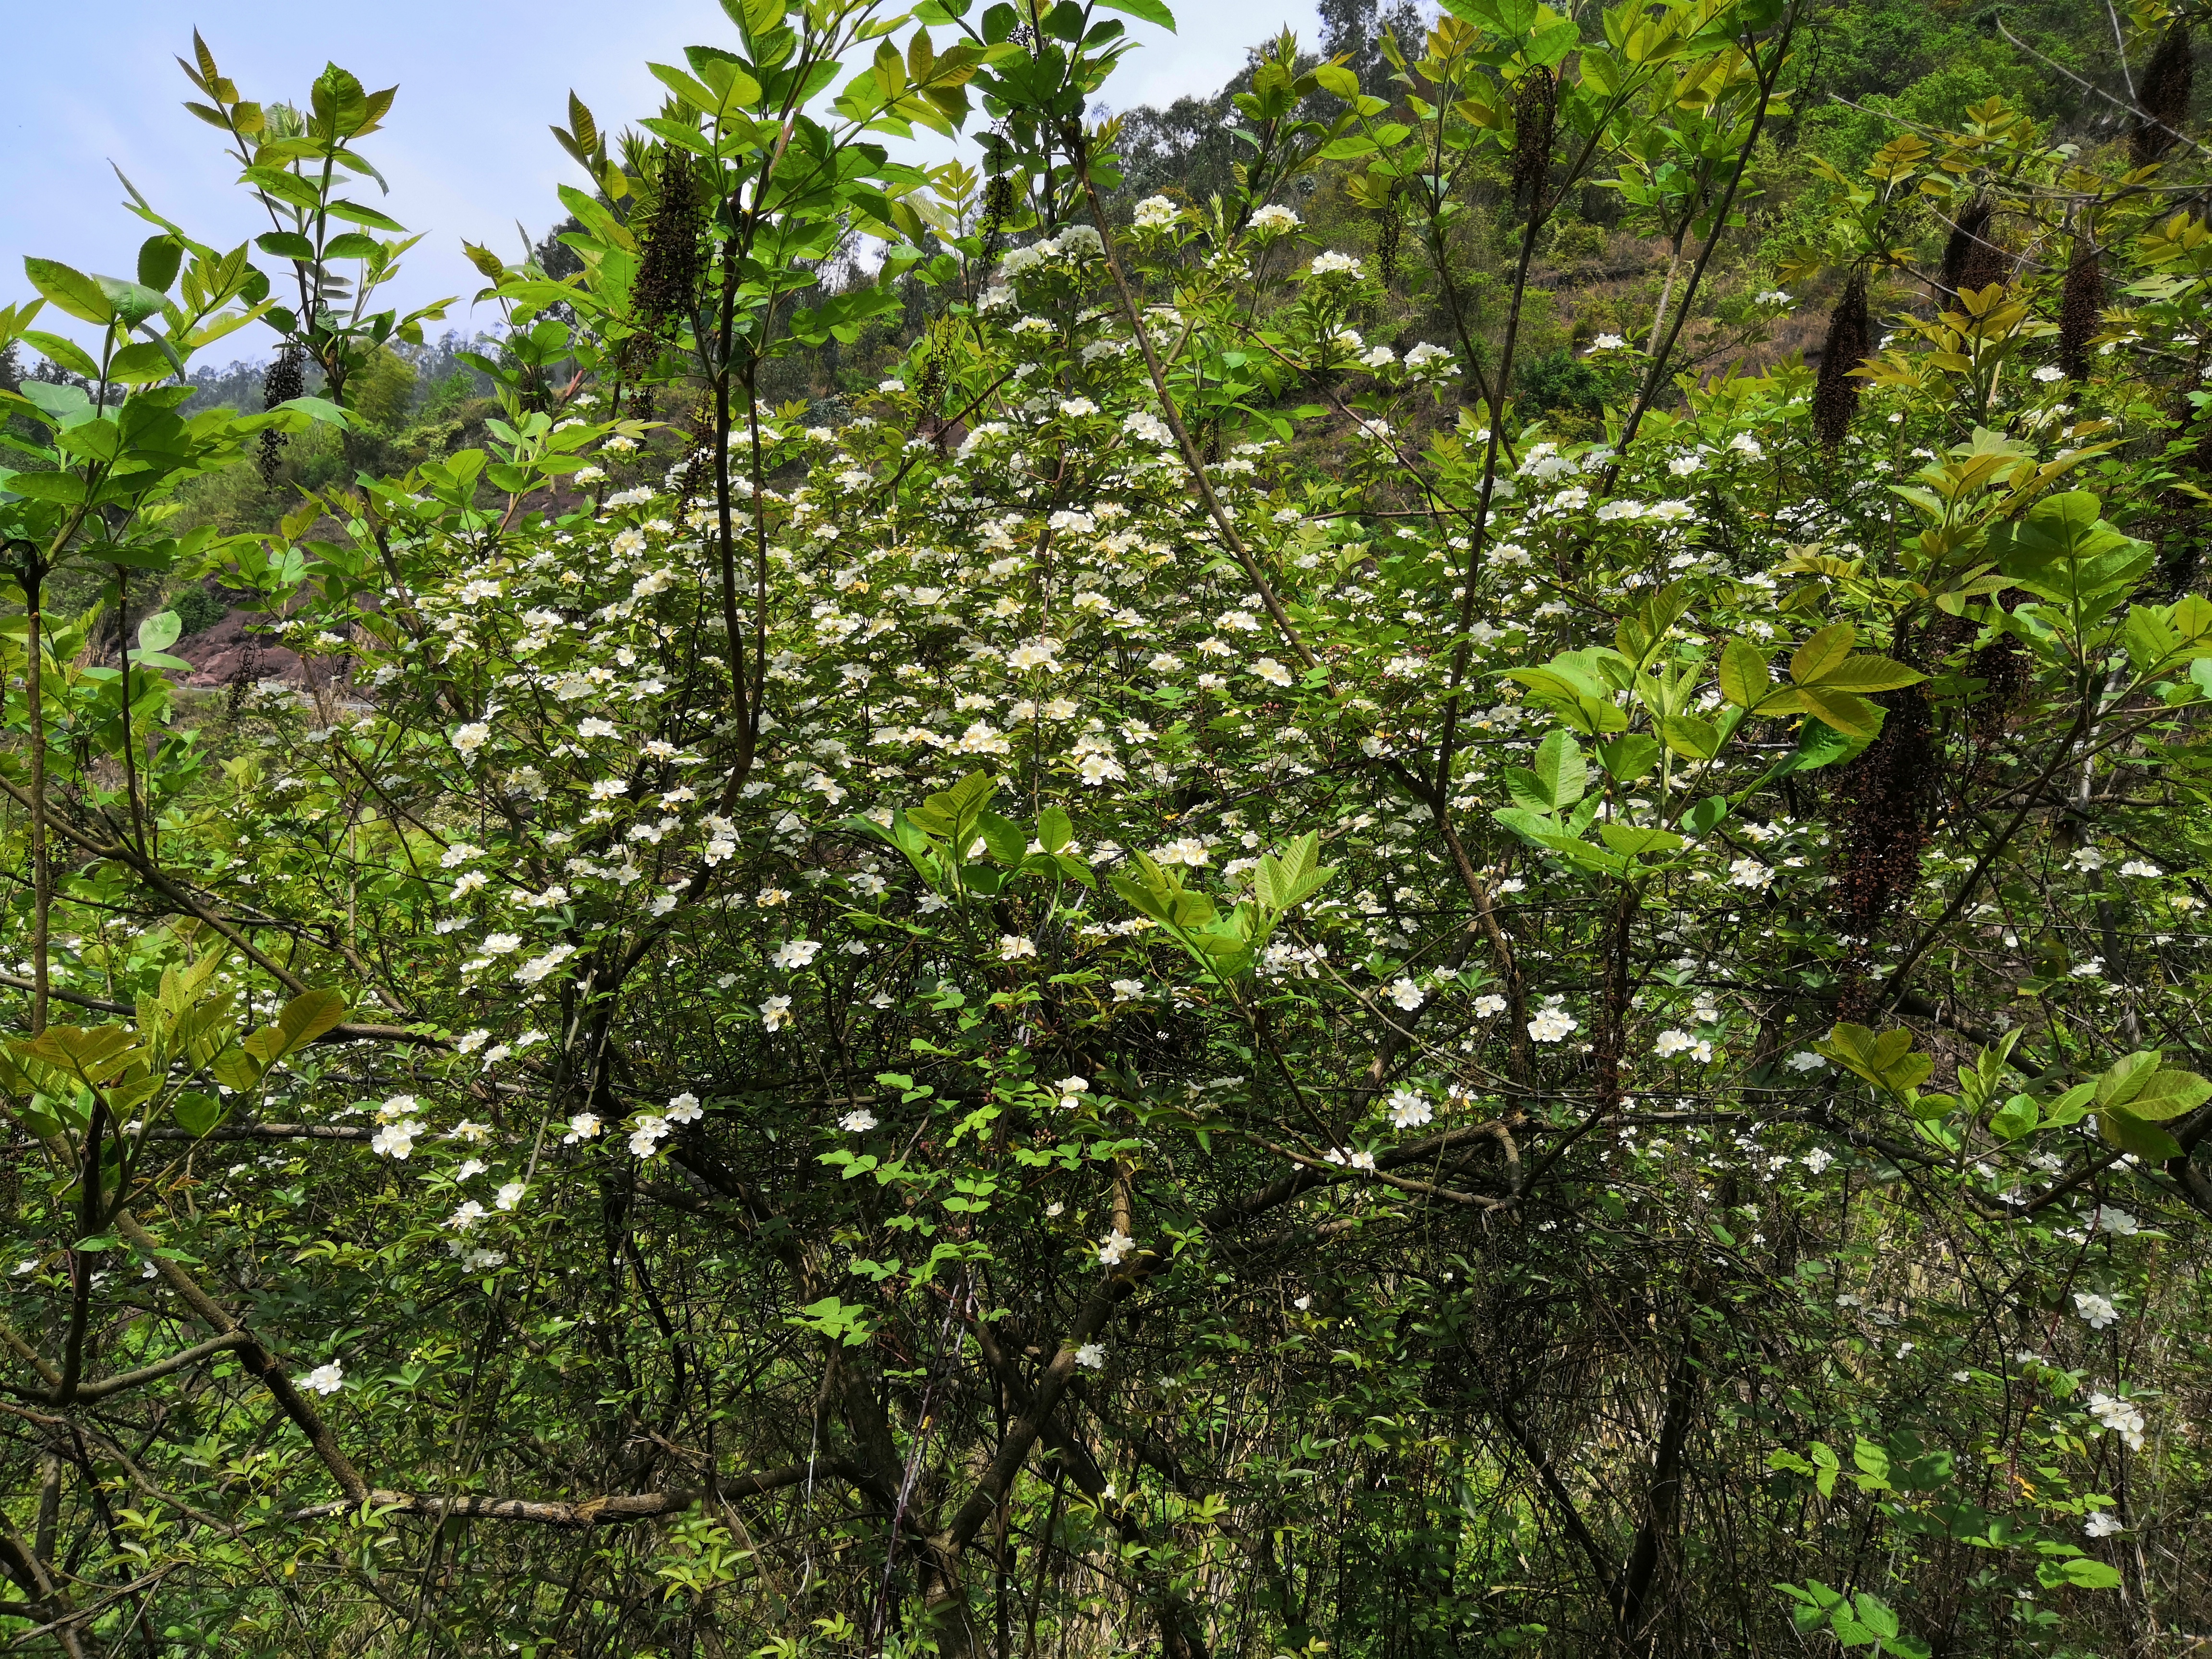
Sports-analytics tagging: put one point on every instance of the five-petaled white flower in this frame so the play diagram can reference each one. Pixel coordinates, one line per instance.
(2096, 1311)
(1092, 1356)
(1116, 1249)
(1409, 1108)
(324, 1379)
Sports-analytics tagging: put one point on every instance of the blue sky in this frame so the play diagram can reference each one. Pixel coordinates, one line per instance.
(466, 148)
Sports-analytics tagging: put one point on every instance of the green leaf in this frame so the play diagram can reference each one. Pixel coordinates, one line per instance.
(133, 302)
(2083, 1573)
(1560, 770)
(307, 1016)
(1691, 736)
(353, 213)
(1054, 830)
(65, 489)
(1744, 675)
(285, 245)
(1145, 11)
(1869, 673)
(2167, 1095)
(1822, 653)
(161, 631)
(65, 352)
(159, 259)
(1627, 758)
(1004, 837)
(1848, 712)
(2123, 1129)
(69, 289)
(1819, 744)
(196, 1113)
(1637, 843)
(2015, 1118)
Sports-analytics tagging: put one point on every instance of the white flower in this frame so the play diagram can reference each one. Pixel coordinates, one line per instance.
(1406, 994)
(466, 1217)
(1274, 220)
(324, 1379)
(471, 1168)
(796, 953)
(1331, 264)
(458, 854)
(1608, 342)
(395, 1140)
(1804, 1061)
(1272, 672)
(2100, 1524)
(472, 737)
(1076, 408)
(2140, 868)
(1128, 990)
(775, 1014)
(1014, 946)
(1156, 212)
(860, 1123)
(1116, 1249)
(500, 944)
(469, 1042)
(583, 1126)
(1362, 1160)
(646, 1133)
(2086, 858)
(396, 1107)
(2095, 1310)
(1551, 1025)
(509, 1196)
(1672, 1043)
(538, 967)
(2047, 374)
(1185, 850)
(1818, 1159)
(1751, 873)
(1092, 1356)
(1095, 769)
(1149, 427)
(1409, 1109)
(1489, 1003)
(1422, 356)
(2120, 1417)
(685, 1109)
(1070, 1089)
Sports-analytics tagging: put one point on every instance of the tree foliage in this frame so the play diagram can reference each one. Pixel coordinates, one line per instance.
(1194, 978)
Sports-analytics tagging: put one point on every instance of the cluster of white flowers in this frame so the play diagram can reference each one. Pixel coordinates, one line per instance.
(2119, 1416)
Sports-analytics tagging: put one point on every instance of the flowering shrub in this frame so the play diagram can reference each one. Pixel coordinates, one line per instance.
(868, 1016)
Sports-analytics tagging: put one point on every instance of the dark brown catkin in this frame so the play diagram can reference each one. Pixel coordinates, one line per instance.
(1387, 239)
(1836, 390)
(2162, 96)
(286, 380)
(673, 245)
(998, 207)
(2080, 309)
(1987, 262)
(1880, 803)
(1532, 138)
(1965, 231)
